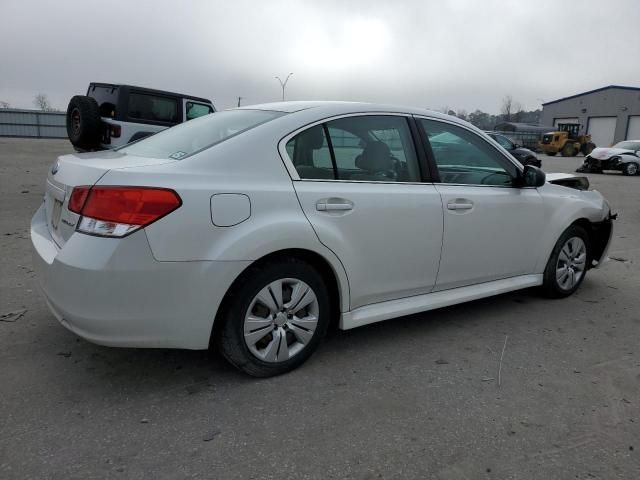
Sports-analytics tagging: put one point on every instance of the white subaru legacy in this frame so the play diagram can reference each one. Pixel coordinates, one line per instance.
(255, 228)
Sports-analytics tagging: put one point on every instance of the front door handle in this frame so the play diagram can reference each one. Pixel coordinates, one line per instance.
(334, 204)
(460, 205)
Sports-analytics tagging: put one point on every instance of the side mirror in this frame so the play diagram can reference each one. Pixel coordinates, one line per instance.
(533, 177)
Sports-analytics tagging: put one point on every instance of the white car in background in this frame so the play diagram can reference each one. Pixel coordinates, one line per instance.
(623, 156)
(254, 228)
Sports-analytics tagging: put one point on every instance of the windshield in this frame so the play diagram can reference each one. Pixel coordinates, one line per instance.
(196, 135)
(628, 145)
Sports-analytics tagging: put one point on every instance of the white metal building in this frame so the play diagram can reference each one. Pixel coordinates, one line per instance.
(610, 114)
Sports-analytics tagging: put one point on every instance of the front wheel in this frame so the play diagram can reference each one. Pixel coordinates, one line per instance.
(275, 318)
(630, 169)
(568, 263)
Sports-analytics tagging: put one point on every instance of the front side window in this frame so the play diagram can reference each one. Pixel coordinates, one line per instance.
(465, 158)
(204, 132)
(195, 110)
(153, 108)
(376, 148)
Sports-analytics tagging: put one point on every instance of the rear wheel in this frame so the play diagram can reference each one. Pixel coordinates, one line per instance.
(567, 265)
(275, 318)
(83, 122)
(630, 169)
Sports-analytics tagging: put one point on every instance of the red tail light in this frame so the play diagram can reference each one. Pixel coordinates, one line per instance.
(116, 130)
(118, 211)
(77, 199)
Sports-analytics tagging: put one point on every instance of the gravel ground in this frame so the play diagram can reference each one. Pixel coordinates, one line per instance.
(415, 397)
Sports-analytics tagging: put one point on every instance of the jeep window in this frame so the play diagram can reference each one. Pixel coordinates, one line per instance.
(199, 134)
(153, 108)
(195, 110)
(107, 98)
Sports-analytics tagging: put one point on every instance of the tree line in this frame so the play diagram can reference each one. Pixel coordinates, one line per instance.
(510, 111)
(41, 102)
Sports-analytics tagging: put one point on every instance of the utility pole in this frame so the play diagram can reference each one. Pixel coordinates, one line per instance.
(239, 98)
(284, 84)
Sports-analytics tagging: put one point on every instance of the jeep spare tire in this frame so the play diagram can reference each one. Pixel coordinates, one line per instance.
(83, 122)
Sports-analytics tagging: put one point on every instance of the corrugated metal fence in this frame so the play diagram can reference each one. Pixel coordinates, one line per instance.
(32, 123)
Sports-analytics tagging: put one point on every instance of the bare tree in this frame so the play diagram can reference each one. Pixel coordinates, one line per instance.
(4, 104)
(507, 108)
(518, 112)
(42, 102)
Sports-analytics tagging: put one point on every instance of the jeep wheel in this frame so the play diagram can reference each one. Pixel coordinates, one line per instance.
(83, 122)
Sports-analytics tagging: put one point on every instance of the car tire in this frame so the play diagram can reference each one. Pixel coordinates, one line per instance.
(630, 169)
(83, 122)
(568, 263)
(260, 318)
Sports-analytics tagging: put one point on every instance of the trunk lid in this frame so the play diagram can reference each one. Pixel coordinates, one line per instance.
(81, 169)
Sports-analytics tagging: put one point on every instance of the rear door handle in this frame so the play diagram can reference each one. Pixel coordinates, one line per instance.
(460, 205)
(334, 204)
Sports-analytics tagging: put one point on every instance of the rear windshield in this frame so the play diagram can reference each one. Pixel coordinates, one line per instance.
(188, 138)
(107, 98)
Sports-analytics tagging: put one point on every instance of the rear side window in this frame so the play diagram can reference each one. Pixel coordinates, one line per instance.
(191, 137)
(154, 108)
(375, 148)
(195, 110)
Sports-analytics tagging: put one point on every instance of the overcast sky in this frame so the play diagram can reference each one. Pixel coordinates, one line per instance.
(464, 54)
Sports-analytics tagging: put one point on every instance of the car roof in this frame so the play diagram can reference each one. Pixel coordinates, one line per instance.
(327, 107)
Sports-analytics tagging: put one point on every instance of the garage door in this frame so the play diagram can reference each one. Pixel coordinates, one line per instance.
(602, 130)
(633, 132)
(556, 121)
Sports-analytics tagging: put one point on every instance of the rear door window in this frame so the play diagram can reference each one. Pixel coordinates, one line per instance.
(154, 108)
(373, 148)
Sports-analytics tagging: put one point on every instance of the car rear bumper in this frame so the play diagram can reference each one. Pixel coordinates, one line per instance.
(113, 292)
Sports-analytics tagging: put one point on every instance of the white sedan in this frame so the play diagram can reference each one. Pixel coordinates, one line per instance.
(253, 229)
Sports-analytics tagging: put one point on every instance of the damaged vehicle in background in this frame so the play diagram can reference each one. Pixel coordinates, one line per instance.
(252, 230)
(110, 116)
(623, 156)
